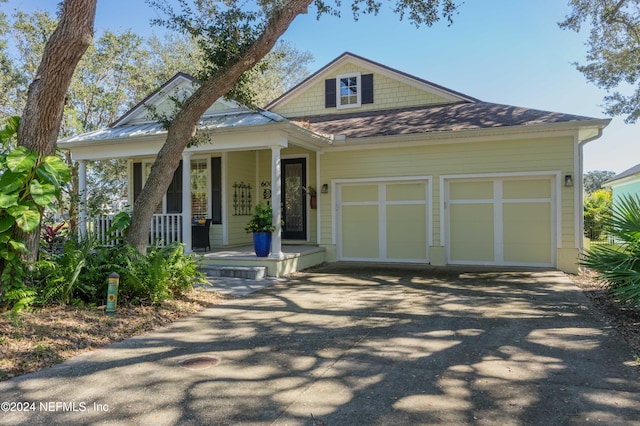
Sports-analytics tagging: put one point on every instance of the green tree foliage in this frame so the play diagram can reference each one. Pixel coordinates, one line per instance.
(234, 36)
(619, 265)
(28, 185)
(282, 68)
(613, 58)
(594, 179)
(597, 213)
(117, 71)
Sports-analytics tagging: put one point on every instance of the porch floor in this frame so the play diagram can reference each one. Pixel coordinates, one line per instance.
(294, 258)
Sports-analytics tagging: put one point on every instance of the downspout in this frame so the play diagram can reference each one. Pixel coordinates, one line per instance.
(580, 190)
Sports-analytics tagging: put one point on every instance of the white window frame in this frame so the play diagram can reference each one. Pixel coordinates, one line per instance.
(358, 103)
(207, 190)
(146, 164)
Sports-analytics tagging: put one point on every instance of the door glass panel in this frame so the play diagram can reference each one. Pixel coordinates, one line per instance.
(294, 201)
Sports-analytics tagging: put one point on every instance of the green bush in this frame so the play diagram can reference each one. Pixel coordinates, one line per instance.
(597, 211)
(60, 275)
(80, 273)
(161, 274)
(619, 265)
(29, 183)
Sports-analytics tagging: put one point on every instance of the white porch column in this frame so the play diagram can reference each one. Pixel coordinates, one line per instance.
(186, 201)
(82, 189)
(276, 197)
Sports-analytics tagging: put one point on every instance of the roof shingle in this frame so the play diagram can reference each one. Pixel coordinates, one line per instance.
(427, 119)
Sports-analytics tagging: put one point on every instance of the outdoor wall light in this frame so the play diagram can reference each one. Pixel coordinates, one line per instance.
(325, 188)
(568, 180)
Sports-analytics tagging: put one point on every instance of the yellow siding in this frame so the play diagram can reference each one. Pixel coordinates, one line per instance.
(387, 93)
(241, 167)
(550, 154)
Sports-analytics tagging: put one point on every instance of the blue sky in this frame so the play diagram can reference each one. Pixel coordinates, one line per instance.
(502, 51)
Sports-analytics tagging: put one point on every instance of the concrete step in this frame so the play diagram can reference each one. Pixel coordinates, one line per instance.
(247, 272)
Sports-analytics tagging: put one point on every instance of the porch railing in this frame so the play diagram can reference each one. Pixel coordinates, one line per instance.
(164, 229)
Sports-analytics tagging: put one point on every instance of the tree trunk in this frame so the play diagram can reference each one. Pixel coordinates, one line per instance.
(44, 107)
(183, 126)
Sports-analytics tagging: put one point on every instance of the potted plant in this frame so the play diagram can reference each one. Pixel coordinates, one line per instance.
(261, 225)
(313, 196)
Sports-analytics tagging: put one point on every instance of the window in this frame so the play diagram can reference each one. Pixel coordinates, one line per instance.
(348, 90)
(199, 196)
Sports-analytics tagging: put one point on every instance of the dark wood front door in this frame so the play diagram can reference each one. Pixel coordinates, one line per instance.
(294, 208)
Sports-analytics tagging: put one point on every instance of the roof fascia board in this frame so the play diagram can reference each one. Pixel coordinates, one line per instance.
(469, 136)
(622, 181)
(175, 81)
(260, 137)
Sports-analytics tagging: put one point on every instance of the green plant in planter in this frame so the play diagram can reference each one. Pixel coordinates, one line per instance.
(262, 220)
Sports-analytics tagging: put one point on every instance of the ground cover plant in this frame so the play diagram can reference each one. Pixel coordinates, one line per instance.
(618, 265)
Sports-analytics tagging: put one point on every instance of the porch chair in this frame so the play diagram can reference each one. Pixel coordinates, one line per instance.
(200, 235)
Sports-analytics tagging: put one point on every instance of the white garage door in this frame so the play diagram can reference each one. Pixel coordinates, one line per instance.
(505, 221)
(383, 221)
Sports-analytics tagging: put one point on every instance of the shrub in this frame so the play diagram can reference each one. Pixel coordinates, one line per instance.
(80, 273)
(58, 275)
(597, 211)
(161, 274)
(619, 265)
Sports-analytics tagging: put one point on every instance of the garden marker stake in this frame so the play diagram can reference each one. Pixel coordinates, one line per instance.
(112, 294)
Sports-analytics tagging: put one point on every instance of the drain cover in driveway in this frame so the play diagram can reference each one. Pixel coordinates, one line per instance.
(199, 363)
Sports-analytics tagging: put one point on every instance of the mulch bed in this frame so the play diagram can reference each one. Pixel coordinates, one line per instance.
(625, 320)
(33, 340)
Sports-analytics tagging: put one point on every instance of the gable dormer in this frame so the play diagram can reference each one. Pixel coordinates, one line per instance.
(163, 101)
(351, 83)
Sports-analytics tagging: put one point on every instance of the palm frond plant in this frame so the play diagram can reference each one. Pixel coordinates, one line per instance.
(619, 264)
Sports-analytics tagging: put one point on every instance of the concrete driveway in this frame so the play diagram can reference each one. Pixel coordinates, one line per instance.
(347, 345)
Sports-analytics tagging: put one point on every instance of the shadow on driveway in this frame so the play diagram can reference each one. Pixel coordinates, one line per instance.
(352, 345)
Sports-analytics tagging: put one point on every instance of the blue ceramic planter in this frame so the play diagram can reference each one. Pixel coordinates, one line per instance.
(262, 243)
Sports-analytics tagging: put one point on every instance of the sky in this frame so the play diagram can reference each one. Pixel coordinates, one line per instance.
(502, 51)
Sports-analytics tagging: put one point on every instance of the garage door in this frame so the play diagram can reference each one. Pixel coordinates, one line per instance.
(501, 221)
(383, 221)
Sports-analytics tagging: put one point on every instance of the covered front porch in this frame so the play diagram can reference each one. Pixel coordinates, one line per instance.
(265, 159)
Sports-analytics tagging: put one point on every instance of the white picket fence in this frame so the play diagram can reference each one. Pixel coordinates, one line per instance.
(164, 229)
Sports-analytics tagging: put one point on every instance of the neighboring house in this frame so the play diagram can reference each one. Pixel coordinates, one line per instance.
(624, 184)
(406, 170)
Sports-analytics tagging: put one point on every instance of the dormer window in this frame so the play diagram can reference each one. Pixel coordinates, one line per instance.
(349, 91)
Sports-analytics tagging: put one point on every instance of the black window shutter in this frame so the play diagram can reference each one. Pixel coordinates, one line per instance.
(174, 192)
(330, 93)
(216, 190)
(137, 180)
(367, 89)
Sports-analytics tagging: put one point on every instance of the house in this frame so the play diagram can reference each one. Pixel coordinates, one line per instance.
(624, 184)
(406, 171)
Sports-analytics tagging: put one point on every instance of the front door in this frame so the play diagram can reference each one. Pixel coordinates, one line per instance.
(294, 211)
